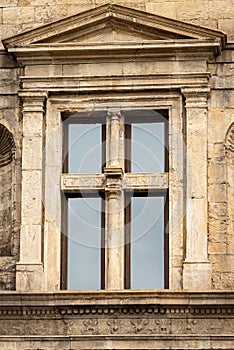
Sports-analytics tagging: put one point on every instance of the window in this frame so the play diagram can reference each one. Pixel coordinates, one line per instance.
(115, 219)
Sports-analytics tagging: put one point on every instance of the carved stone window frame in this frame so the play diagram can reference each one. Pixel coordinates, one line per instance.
(156, 73)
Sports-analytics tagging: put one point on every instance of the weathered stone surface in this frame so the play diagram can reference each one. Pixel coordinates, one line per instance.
(201, 238)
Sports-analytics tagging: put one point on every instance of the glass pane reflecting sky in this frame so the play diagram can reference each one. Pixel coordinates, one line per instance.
(148, 147)
(84, 242)
(85, 148)
(147, 243)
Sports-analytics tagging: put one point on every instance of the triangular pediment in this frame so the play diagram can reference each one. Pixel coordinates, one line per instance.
(112, 24)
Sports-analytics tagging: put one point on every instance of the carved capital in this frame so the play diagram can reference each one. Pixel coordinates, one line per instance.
(113, 191)
(113, 172)
(33, 101)
(195, 97)
(114, 114)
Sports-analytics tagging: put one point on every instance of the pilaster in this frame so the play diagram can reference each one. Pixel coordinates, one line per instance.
(29, 275)
(196, 268)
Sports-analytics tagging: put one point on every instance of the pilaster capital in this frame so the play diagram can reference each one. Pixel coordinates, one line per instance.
(114, 114)
(196, 97)
(33, 101)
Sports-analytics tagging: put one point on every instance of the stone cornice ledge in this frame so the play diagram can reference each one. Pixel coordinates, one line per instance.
(71, 53)
(121, 298)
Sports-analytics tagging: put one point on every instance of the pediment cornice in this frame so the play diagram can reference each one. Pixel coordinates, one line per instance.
(111, 31)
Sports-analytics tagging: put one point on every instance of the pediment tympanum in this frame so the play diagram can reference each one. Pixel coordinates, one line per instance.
(112, 31)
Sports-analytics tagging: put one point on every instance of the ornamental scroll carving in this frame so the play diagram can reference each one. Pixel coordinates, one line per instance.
(7, 147)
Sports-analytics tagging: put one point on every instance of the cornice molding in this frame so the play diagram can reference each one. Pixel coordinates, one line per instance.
(116, 83)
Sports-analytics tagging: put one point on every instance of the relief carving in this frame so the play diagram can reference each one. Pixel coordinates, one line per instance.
(114, 325)
(91, 327)
(139, 325)
(163, 326)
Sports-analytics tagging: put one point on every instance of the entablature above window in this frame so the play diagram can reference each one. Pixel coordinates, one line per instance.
(113, 32)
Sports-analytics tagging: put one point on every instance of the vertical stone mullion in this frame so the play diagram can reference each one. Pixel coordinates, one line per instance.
(30, 267)
(197, 274)
(114, 241)
(114, 237)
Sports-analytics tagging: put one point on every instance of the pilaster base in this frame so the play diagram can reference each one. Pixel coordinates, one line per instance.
(29, 277)
(197, 275)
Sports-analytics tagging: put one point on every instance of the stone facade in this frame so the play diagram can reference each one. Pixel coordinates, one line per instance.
(65, 67)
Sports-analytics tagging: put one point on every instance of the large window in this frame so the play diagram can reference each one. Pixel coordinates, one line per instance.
(118, 160)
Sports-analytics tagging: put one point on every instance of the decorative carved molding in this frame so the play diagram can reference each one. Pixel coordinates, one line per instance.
(79, 182)
(118, 310)
(229, 143)
(115, 82)
(33, 101)
(196, 97)
(140, 181)
(7, 146)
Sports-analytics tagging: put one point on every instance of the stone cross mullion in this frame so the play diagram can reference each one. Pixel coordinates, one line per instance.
(114, 225)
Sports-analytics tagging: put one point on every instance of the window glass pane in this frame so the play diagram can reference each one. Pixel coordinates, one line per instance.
(85, 148)
(148, 147)
(84, 242)
(147, 243)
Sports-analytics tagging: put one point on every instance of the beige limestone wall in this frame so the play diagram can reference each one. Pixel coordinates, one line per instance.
(20, 15)
(220, 118)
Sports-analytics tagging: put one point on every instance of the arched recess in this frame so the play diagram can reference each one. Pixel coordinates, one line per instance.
(229, 144)
(7, 151)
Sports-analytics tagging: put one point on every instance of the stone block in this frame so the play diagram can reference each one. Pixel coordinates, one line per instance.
(217, 173)
(216, 152)
(31, 197)
(225, 56)
(166, 8)
(192, 10)
(43, 70)
(227, 26)
(222, 281)
(222, 99)
(217, 211)
(217, 193)
(196, 276)
(29, 277)
(222, 263)
(224, 82)
(32, 127)
(9, 107)
(32, 153)
(7, 273)
(18, 15)
(8, 3)
(52, 238)
(30, 240)
(46, 14)
(217, 117)
(6, 61)
(78, 7)
(196, 244)
(220, 9)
